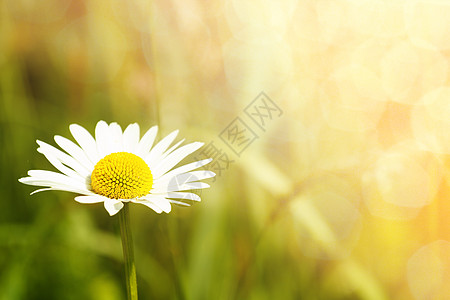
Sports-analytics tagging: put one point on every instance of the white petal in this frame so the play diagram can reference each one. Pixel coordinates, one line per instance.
(184, 169)
(149, 204)
(56, 177)
(57, 164)
(51, 179)
(174, 158)
(86, 141)
(112, 206)
(75, 151)
(102, 139)
(40, 190)
(175, 187)
(203, 174)
(60, 166)
(182, 178)
(115, 136)
(146, 142)
(124, 200)
(76, 168)
(131, 138)
(160, 201)
(153, 157)
(64, 189)
(171, 149)
(184, 196)
(179, 202)
(90, 199)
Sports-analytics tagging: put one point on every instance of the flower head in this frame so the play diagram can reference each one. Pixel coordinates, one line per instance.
(118, 167)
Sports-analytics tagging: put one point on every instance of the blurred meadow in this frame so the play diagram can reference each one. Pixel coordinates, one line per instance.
(338, 186)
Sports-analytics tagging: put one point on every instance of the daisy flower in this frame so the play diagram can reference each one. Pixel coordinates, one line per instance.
(118, 167)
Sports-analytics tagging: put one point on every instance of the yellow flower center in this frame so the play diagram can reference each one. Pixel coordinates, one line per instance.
(121, 175)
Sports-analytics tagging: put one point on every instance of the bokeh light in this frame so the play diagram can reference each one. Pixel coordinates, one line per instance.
(429, 271)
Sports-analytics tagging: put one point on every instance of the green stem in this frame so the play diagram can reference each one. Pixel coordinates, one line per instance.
(128, 253)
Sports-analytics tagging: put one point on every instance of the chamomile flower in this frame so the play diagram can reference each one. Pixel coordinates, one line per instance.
(118, 167)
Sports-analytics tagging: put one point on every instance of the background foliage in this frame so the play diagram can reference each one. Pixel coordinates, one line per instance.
(343, 196)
